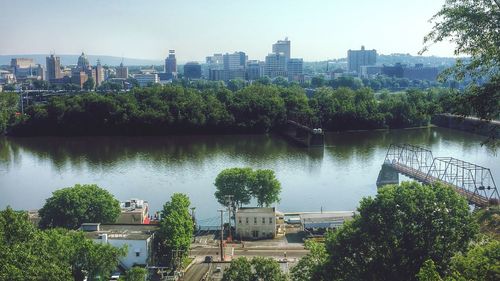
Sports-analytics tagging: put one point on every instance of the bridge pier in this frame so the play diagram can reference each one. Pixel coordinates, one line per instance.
(387, 175)
(304, 135)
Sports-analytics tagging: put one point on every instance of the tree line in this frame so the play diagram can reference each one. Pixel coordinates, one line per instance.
(173, 109)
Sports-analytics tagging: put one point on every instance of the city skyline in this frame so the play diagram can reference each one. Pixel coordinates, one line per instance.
(121, 28)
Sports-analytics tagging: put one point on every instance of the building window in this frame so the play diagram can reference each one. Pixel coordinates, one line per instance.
(239, 220)
(263, 220)
(255, 220)
(137, 254)
(247, 220)
(270, 220)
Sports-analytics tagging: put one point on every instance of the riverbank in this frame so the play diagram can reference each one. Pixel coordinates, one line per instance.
(490, 129)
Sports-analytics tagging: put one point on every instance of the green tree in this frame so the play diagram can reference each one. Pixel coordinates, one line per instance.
(236, 182)
(267, 269)
(239, 270)
(135, 274)
(481, 262)
(265, 187)
(397, 231)
(70, 207)
(428, 272)
(176, 229)
(473, 26)
(308, 267)
(8, 106)
(89, 84)
(27, 253)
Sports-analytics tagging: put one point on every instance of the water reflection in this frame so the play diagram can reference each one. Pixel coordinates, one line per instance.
(335, 177)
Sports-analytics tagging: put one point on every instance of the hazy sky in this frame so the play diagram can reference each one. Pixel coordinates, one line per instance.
(318, 29)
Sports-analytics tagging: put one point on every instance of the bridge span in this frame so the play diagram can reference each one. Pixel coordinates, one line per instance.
(472, 181)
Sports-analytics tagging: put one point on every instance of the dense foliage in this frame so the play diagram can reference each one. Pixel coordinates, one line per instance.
(257, 269)
(473, 25)
(27, 253)
(245, 183)
(8, 108)
(163, 110)
(70, 207)
(393, 235)
(135, 274)
(176, 230)
(480, 263)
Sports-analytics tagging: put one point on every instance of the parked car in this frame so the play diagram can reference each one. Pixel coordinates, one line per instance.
(115, 276)
(209, 259)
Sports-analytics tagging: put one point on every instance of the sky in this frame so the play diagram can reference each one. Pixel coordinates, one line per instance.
(147, 29)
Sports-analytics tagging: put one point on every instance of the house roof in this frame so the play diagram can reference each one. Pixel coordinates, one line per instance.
(124, 231)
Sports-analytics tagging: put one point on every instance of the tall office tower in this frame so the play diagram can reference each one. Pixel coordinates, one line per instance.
(255, 69)
(171, 65)
(358, 58)
(99, 74)
(295, 70)
(235, 65)
(282, 46)
(122, 71)
(53, 65)
(276, 65)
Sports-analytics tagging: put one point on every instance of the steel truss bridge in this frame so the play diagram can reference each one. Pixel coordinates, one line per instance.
(470, 180)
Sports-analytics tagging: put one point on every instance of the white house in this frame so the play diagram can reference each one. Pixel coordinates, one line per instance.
(259, 223)
(137, 237)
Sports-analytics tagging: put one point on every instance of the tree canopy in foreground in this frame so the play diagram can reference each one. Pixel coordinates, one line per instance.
(70, 207)
(27, 253)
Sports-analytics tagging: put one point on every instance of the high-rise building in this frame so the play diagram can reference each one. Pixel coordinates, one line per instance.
(122, 72)
(171, 65)
(192, 70)
(358, 58)
(282, 46)
(276, 65)
(295, 70)
(235, 65)
(53, 65)
(99, 74)
(255, 69)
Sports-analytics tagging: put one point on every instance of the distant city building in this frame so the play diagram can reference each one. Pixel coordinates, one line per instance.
(255, 70)
(395, 70)
(369, 71)
(276, 64)
(146, 79)
(171, 65)
(192, 70)
(358, 58)
(235, 65)
(79, 78)
(421, 72)
(99, 74)
(21, 63)
(282, 46)
(24, 68)
(295, 70)
(215, 62)
(122, 71)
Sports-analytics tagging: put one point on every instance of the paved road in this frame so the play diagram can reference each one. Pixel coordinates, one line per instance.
(198, 269)
(196, 272)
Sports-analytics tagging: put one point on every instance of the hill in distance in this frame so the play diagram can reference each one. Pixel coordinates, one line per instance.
(72, 59)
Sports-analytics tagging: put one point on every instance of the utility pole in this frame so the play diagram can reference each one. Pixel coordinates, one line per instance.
(221, 234)
(229, 200)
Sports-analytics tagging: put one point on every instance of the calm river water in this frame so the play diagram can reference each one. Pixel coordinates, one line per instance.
(152, 168)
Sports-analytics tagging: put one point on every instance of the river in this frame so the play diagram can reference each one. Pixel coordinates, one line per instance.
(335, 177)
